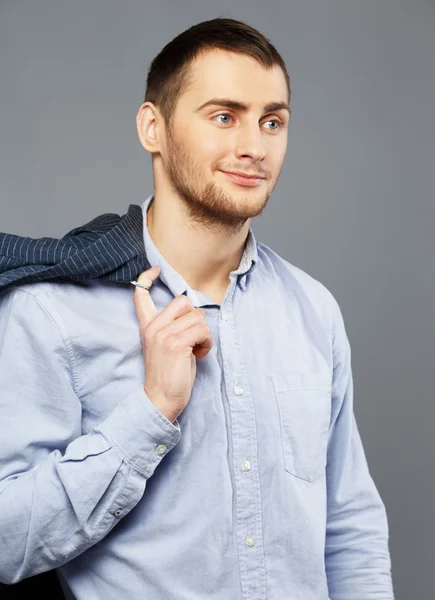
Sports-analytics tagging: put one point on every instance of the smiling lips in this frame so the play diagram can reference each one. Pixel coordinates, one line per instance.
(242, 179)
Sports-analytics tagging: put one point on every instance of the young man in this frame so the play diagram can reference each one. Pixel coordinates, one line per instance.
(196, 440)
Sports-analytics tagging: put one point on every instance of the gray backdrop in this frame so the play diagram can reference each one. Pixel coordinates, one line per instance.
(354, 206)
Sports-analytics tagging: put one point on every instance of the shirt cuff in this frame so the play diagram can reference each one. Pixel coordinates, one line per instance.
(140, 432)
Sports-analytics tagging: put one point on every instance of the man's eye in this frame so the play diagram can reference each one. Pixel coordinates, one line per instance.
(223, 115)
(277, 127)
(277, 123)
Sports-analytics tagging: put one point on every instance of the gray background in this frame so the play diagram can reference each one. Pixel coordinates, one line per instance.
(354, 206)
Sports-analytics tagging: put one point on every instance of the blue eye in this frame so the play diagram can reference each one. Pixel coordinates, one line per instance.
(277, 123)
(223, 115)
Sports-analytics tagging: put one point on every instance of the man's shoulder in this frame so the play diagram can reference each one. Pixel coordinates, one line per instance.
(61, 299)
(20, 292)
(40, 289)
(293, 278)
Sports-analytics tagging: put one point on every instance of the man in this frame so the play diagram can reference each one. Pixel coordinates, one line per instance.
(193, 437)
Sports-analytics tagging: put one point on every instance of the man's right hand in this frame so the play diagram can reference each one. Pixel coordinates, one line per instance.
(171, 340)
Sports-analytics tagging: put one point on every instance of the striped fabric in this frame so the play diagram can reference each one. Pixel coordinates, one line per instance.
(110, 247)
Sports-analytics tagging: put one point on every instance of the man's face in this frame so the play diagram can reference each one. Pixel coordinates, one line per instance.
(203, 143)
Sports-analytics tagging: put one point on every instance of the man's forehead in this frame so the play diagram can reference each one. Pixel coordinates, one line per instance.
(226, 62)
(229, 75)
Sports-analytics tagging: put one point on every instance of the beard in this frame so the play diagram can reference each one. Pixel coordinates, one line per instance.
(209, 205)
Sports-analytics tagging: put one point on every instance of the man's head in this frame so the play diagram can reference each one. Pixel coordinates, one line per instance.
(194, 142)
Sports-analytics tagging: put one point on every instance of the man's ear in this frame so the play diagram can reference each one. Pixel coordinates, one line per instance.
(148, 130)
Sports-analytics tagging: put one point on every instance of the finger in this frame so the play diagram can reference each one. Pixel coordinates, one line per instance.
(193, 317)
(198, 338)
(145, 307)
(201, 350)
(177, 307)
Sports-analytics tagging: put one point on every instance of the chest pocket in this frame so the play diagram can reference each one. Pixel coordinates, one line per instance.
(304, 402)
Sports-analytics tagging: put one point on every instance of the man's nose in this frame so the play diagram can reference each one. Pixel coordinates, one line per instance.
(250, 143)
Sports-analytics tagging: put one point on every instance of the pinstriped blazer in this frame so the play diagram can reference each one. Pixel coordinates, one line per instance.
(110, 247)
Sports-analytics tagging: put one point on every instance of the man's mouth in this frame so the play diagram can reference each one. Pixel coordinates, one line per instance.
(243, 179)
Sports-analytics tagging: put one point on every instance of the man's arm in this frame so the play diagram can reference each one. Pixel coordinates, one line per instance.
(60, 491)
(357, 556)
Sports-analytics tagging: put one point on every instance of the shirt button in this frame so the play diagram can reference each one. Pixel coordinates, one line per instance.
(161, 449)
(118, 512)
(238, 390)
(246, 465)
(224, 316)
(250, 541)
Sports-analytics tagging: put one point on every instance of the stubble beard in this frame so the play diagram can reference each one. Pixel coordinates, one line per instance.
(208, 206)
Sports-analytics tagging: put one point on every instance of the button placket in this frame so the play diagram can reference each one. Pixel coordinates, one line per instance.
(244, 437)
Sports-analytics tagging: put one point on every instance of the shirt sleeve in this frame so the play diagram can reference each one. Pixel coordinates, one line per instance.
(357, 554)
(60, 491)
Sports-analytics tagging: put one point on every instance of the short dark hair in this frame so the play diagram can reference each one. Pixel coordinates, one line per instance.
(168, 74)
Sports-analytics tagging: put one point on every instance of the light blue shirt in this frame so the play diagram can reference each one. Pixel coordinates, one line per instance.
(260, 490)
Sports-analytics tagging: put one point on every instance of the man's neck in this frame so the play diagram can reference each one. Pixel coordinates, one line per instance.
(202, 257)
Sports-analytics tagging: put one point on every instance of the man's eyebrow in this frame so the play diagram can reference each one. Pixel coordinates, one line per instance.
(242, 106)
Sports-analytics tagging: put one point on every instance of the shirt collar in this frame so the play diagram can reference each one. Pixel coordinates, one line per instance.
(173, 280)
